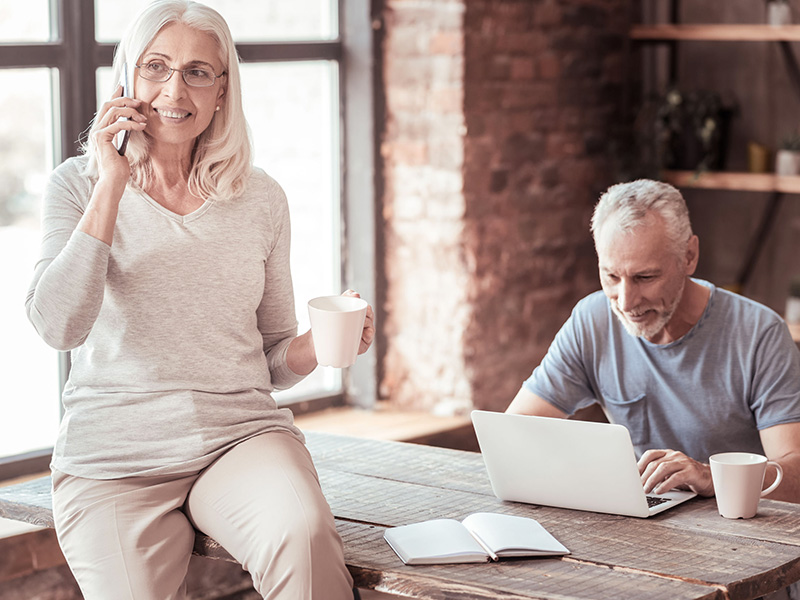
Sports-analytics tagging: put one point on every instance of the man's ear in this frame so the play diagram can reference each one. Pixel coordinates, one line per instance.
(692, 254)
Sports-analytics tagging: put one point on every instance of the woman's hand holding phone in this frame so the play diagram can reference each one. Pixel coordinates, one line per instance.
(114, 170)
(121, 139)
(119, 114)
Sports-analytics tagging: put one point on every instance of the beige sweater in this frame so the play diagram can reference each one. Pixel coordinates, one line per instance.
(178, 332)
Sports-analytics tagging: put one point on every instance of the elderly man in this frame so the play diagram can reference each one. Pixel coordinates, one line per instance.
(688, 368)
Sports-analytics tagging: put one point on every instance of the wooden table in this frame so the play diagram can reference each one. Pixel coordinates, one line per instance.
(688, 552)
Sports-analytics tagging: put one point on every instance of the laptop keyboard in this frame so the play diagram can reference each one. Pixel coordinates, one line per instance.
(653, 501)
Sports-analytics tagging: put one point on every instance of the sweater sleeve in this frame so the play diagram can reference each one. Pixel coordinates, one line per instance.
(276, 313)
(66, 293)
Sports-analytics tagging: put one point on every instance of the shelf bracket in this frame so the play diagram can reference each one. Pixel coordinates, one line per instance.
(792, 67)
(759, 239)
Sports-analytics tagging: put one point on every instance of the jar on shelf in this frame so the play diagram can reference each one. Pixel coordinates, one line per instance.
(787, 159)
(793, 303)
(778, 12)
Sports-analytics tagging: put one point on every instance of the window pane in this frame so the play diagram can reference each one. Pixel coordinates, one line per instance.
(249, 20)
(293, 111)
(25, 21)
(29, 404)
(105, 84)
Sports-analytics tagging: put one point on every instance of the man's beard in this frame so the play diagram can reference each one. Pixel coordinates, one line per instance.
(650, 329)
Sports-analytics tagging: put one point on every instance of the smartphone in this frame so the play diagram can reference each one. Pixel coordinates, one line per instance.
(121, 139)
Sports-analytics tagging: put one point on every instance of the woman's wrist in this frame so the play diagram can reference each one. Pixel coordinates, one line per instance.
(300, 356)
(100, 217)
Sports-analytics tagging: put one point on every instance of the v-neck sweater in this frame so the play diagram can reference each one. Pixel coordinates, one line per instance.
(178, 331)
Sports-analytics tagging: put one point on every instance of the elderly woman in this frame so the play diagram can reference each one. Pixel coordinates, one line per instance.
(166, 272)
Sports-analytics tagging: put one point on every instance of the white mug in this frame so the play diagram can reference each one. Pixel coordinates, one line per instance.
(738, 478)
(336, 326)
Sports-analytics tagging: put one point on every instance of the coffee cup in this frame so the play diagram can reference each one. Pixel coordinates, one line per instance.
(336, 326)
(738, 478)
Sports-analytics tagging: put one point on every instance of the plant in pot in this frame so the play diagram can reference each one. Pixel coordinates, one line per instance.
(787, 158)
(692, 130)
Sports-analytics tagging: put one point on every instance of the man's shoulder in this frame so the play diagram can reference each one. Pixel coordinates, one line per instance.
(733, 306)
(735, 324)
(594, 303)
(591, 316)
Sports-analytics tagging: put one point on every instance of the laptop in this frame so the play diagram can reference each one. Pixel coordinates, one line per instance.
(566, 463)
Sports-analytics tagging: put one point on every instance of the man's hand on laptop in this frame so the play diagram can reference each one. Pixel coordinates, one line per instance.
(663, 470)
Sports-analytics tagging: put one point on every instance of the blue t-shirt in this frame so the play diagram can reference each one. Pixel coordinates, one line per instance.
(737, 371)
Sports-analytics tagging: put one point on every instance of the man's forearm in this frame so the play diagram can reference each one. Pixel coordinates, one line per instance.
(789, 488)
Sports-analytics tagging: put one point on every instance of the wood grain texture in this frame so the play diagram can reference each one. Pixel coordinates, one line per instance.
(29, 502)
(687, 552)
(367, 552)
(717, 32)
(736, 181)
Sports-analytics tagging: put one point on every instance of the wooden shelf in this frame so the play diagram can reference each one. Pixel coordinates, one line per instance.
(719, 33)
(745, 182)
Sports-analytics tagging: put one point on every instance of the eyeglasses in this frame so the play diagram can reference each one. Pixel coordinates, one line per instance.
(158, 71)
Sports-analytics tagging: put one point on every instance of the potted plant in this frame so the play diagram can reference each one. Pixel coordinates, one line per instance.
(691, 130)
(787, 159)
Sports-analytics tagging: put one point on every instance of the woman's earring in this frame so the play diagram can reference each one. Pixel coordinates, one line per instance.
(217, 108)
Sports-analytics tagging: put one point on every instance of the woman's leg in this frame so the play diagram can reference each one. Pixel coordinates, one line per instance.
(263, 503)
(125, 539)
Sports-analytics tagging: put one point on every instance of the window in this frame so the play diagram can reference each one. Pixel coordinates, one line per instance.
(25, 22)
(30, 367)
(28, 113)
(294, 75)
(249, 20)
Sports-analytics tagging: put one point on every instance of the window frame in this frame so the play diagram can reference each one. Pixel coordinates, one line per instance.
(76, 55)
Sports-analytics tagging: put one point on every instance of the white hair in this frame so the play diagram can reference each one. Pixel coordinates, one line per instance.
(221, 159)
(630, 204)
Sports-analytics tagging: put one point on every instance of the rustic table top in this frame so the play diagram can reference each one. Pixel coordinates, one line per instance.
(688, 552)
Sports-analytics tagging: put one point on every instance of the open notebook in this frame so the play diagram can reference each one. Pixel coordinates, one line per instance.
(566, 463)
(478, 538)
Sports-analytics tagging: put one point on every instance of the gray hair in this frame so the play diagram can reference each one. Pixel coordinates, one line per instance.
(630, 203)
(222, 156)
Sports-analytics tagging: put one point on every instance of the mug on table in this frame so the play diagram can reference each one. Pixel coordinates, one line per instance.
(738, 478)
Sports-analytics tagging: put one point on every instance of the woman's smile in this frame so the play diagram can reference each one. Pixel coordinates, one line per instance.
(172, 114)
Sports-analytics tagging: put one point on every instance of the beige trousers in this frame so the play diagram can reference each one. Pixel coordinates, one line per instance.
(131, 539)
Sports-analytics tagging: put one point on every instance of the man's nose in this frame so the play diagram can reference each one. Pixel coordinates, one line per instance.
(627, 295)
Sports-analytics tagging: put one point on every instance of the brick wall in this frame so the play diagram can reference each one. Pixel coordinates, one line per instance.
(32, 567)
(426, 309)
(502, 119)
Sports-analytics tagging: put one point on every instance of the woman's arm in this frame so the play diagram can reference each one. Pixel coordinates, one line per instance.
(114, 170)
(66, 292)
(78, 222)
(290, 357)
